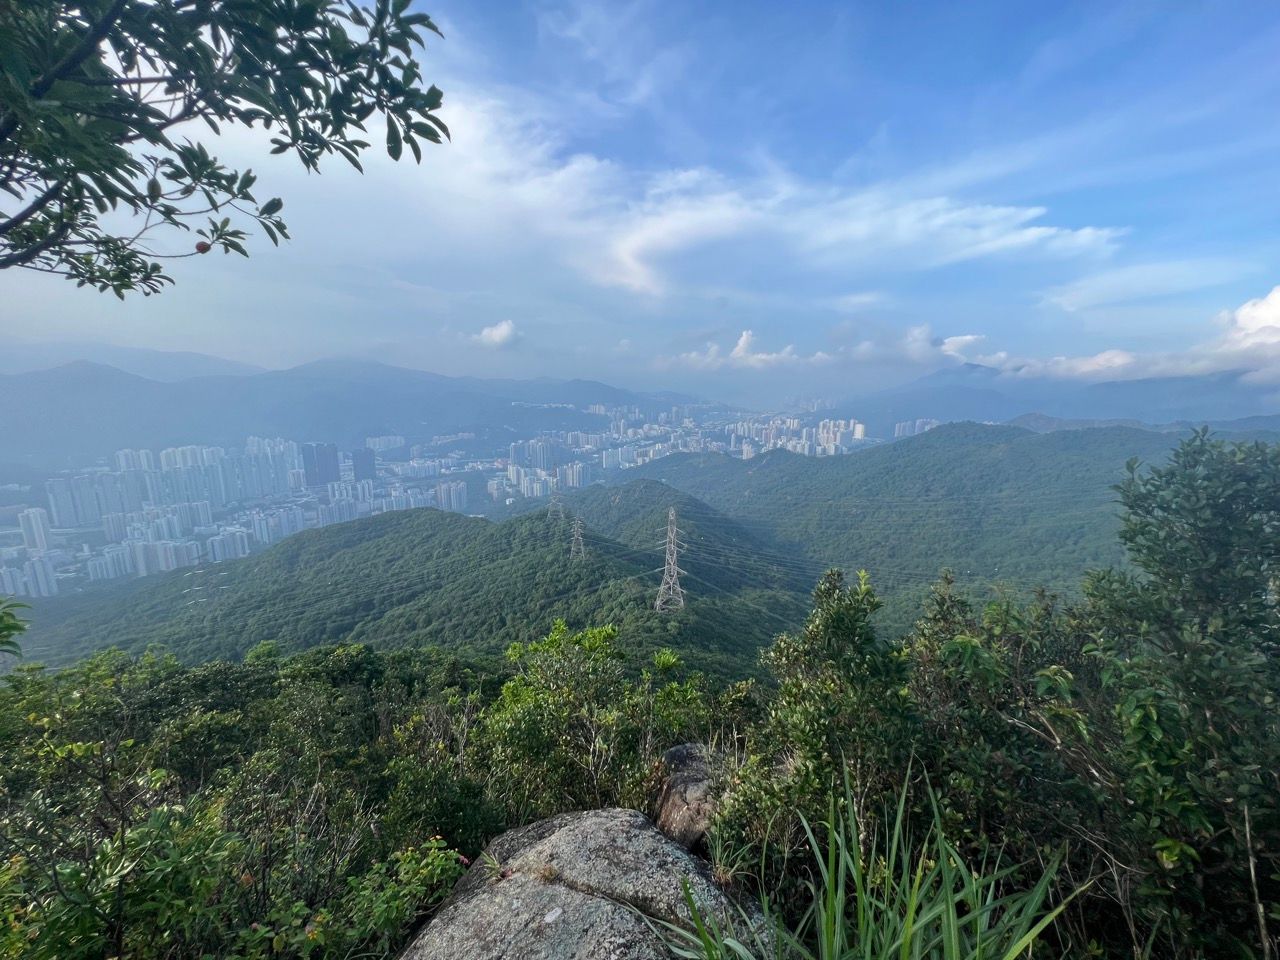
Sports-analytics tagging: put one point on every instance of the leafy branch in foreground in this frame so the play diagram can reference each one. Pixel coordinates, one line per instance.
(10, 626)
(93, 93)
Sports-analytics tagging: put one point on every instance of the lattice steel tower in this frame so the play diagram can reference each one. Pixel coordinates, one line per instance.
(670, 594)
(556, 509)
(577, 549)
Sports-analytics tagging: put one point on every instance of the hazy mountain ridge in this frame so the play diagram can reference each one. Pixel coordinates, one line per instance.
(84, 410)
(164, 365)
(1257, 427)
(975, 392)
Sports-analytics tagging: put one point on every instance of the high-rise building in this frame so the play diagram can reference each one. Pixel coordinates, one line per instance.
(364, 464)
(542, 454)
(41, 580)
(60, 503)
(231, 544)
(84, 497)
(320, 463)
(115, 526)
(135, 460)
(35, 528)
(12, 582)
(388, 442)
(452, 495)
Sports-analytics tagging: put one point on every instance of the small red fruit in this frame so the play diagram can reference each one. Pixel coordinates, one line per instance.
(202, 247)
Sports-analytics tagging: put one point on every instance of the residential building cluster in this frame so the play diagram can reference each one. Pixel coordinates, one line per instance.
(147, 513)
(144, 512)
(826, 438)
(909, 428)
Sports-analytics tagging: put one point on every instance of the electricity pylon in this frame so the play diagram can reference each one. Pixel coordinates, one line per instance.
(577, 549)
(556, 510)
(670, 594)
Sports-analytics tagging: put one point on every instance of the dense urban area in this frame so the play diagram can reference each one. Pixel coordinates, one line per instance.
(145, 513)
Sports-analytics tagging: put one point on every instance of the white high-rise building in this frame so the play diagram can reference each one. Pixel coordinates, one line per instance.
(35, 528)
(12, 582)
(41, 580)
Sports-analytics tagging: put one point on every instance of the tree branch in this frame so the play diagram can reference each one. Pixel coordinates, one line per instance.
(75, 56)
(34, 207)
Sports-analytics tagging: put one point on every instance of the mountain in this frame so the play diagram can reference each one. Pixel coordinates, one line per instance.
(975, 392)
(992, 503)
(996, 504)
(419, 578)
(1262, 427)
(84, 410)
(163, 365)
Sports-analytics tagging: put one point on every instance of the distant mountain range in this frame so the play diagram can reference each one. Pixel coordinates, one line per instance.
(975, 392)
(80, 411)
(164, 365)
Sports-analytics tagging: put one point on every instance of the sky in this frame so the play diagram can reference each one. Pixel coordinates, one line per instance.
(771, 201)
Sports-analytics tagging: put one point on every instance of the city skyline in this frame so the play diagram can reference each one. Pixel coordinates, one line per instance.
(143, 512)
(1015, 186)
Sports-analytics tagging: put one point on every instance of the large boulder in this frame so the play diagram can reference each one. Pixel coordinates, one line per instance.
(573, 888)
(687, 801)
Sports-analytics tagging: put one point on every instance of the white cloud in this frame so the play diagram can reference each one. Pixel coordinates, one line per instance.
(1249, 341)
(1144, 281)
(882, 226)
(1253, 324)
(854, 302)
(956, 346)
(745, 355)
(501, 334)
(811, 228)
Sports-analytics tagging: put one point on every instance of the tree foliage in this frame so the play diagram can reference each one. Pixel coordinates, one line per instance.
(101, 102)
(423, 577)
(1115, 753)
(1134, 734)
(11, 625)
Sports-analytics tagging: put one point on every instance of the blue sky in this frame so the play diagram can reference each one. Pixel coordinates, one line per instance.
(762, 200)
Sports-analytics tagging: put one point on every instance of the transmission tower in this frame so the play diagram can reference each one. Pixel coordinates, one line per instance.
(577, 550)
(670, 594)
(556, 510)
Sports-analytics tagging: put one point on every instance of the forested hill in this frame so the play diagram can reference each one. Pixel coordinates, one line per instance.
(993, 503)
(422, 578)
(996, 504)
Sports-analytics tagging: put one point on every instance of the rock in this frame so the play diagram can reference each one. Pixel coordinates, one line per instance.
(569, 888)
(687, 802)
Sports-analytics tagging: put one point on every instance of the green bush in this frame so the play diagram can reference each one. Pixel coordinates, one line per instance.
(571, 730)
(838, 710)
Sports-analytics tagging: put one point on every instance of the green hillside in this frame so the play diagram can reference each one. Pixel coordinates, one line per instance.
(422, 577)
(996, 504)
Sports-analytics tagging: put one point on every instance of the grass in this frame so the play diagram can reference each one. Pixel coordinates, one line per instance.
(883, 897)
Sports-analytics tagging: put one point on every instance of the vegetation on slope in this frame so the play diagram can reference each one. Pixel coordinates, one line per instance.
(290, 807)
(996, 505)
(422, 577)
